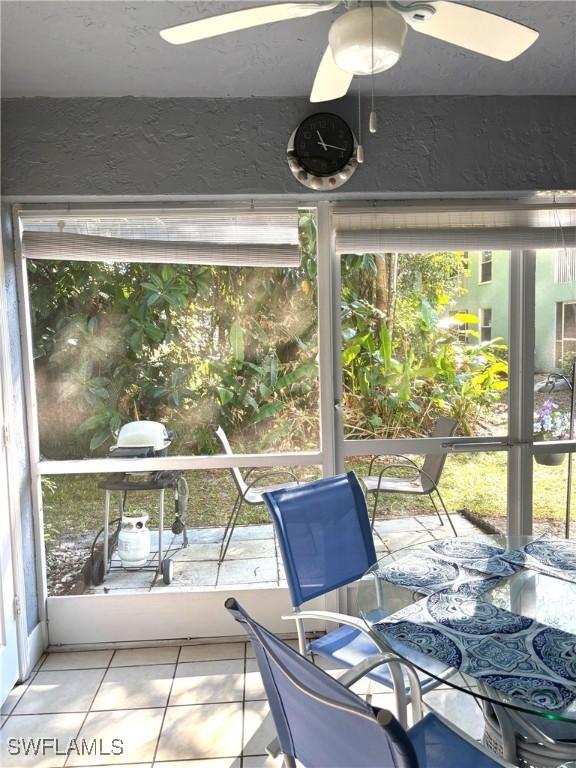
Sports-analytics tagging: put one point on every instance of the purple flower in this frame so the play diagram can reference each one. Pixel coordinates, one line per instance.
(550, 423)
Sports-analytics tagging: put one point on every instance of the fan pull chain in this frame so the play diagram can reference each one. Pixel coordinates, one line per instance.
(360, 148)
(373, 122)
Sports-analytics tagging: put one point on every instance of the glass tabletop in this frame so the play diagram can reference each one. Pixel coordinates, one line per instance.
(527, 593)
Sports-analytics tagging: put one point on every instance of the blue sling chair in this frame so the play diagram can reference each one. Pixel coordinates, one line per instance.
(322, 724)
(325, 538)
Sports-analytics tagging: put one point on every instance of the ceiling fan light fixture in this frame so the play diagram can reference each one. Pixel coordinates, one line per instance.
(350, 39)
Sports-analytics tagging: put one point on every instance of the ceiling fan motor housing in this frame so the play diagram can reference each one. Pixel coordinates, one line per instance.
(351, 41)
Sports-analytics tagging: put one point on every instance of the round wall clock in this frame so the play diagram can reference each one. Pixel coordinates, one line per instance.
(322, 152)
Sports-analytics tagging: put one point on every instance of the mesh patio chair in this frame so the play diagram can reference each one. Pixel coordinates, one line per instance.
(324, 534)
(321, 723)
(424, 480)
(249, 488)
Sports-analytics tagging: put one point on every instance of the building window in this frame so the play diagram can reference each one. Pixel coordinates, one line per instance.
(460, 328)
(565, 332)
(486, 267)
(565, 266)
(486, 324)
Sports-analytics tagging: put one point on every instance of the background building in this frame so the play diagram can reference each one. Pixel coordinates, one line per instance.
(486, 291)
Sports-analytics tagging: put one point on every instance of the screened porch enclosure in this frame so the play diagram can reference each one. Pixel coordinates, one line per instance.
(317, 338)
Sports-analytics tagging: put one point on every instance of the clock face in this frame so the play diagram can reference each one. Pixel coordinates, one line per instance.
(323, 144)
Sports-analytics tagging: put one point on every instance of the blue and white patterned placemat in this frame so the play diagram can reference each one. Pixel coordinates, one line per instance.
(471, 567)
(425, 573)
(554, 557)
(475, 555)
(517, 655)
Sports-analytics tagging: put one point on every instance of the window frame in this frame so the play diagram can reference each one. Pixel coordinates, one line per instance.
(111, 465)
(482, 263)
(483, 325)
(561, 338)
(99, 616)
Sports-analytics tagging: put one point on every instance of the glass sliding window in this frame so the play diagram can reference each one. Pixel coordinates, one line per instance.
(554, 355)
(550, 495)
(555, 343)
(221, 338)
(198, 319)
(411, 349)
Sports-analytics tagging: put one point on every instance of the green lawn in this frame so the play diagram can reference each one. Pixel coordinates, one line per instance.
(74, 504)
(475, 482)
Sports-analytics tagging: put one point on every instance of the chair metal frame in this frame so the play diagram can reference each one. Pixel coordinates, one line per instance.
(370, 663)
(244, 488)
(382, 717)
(418, 471)
(347, 680)
(523, 742)
(299, 616)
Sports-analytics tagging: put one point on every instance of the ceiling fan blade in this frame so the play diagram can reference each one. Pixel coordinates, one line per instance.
(478, 31)
(330, 82)
(238, 20)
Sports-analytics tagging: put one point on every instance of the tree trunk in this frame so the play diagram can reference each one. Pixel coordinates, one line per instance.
(382, 283)
(386, 288)
(392, 291)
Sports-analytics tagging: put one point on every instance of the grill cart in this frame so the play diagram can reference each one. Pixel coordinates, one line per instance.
(130, 536)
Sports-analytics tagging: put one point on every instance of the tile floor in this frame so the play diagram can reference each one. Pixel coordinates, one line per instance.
(195, 706)
(253, 558)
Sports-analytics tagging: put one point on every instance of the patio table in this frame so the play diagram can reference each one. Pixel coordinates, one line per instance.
(476, 615)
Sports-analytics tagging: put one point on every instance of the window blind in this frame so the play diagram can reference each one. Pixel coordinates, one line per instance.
(565, 266)
(224, 237)
(483, 228)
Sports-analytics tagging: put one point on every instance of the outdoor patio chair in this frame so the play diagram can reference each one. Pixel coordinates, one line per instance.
(324, 534)
(249, 488)
(321, 723)
(424, 480)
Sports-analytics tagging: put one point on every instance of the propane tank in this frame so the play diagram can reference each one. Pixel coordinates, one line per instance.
(134, 542)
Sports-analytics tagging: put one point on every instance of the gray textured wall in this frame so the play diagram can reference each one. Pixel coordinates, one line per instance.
(204, 147)
(19, 440)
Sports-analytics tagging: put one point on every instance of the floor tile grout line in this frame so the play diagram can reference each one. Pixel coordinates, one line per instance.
(166, 707)
(160, 763)
(243, 719)
(65, 763)
(110, 765)
(119, 666)
(26, 685)
(133, 709)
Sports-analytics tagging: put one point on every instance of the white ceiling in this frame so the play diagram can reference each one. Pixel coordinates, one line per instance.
(112, 48)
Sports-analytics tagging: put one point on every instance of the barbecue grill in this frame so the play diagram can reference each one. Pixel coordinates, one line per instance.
(138, 439)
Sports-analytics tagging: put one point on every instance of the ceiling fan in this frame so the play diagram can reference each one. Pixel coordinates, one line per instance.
(369, 37)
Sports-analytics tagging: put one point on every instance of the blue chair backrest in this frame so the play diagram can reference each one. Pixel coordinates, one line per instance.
(324, 533)
(319, 721)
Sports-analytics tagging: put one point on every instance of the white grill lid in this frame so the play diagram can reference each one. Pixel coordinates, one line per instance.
(143, 434)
